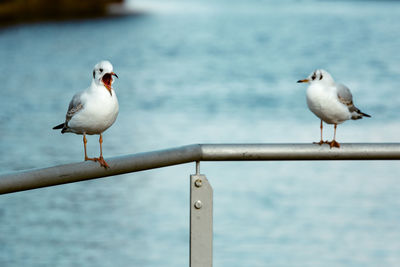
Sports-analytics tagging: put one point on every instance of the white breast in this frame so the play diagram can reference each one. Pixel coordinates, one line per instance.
(324, 103)
(99, 113)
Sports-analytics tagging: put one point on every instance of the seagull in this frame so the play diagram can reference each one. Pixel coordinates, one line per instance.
(330, 101)
(93, 110)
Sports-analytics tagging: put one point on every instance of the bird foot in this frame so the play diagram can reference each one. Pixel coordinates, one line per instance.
(321, 142)
(333, 143)
(100, 160)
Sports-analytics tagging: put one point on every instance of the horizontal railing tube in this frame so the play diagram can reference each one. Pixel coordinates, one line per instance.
(69, 173)
(285, 152)
(75, 172)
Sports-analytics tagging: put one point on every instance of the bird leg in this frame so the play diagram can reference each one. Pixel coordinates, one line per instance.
(100, 159)
(333, 143)
(84, 146)
(321, 141)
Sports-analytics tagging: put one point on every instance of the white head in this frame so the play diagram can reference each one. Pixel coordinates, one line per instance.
(318, 76)
(102, 74)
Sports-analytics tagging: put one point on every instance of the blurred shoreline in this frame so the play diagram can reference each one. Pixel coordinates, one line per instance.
(30, 11)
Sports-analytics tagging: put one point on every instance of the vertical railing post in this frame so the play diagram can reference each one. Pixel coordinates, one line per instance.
(201, 220)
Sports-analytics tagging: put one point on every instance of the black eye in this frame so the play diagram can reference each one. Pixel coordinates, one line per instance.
(313, 77)
(101, 70)
(320, 78)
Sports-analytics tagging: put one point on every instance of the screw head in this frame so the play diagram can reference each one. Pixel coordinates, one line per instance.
(198, 204)
(198, 183)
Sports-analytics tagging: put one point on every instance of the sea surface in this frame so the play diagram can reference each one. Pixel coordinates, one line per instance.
(212, 71)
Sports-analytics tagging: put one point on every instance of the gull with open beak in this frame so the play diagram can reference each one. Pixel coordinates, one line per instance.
(331, 102)
(93, 110)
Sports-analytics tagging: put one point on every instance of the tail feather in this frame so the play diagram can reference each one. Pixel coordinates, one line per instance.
(60, 126)
(359, 115)
(365, 115)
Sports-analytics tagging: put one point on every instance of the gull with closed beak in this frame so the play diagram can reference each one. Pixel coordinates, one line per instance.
(331, 102)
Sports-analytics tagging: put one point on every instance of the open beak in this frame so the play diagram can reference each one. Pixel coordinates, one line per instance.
(303, 81)
(107, 80)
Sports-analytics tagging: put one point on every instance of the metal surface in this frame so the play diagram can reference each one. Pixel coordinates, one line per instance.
(249, 152)
(201, 220)
(201, 195)
(75, 172)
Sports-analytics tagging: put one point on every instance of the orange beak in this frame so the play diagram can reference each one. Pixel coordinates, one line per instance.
(303, 81)
(107, 80)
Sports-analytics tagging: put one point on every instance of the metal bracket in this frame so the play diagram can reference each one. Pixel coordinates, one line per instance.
(201, 220)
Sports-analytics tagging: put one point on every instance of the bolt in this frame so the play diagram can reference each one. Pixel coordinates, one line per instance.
(198, 183)
(198, 204)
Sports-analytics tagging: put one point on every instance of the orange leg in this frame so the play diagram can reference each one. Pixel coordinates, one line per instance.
(84, 146)
(321, 141)
(101, 160)
(321, 126)
(333, 143)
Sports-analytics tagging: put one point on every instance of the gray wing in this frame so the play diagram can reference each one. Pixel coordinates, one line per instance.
(346, 97)
(344, 94)
(74, 106)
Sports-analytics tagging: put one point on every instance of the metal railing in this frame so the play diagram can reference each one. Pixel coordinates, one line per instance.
(200, 190)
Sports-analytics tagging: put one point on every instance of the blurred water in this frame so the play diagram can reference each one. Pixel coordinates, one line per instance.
(198, 72)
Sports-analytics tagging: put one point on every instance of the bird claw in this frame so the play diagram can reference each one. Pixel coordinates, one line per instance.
(321, 142)
(100, 160)
(333, 143)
